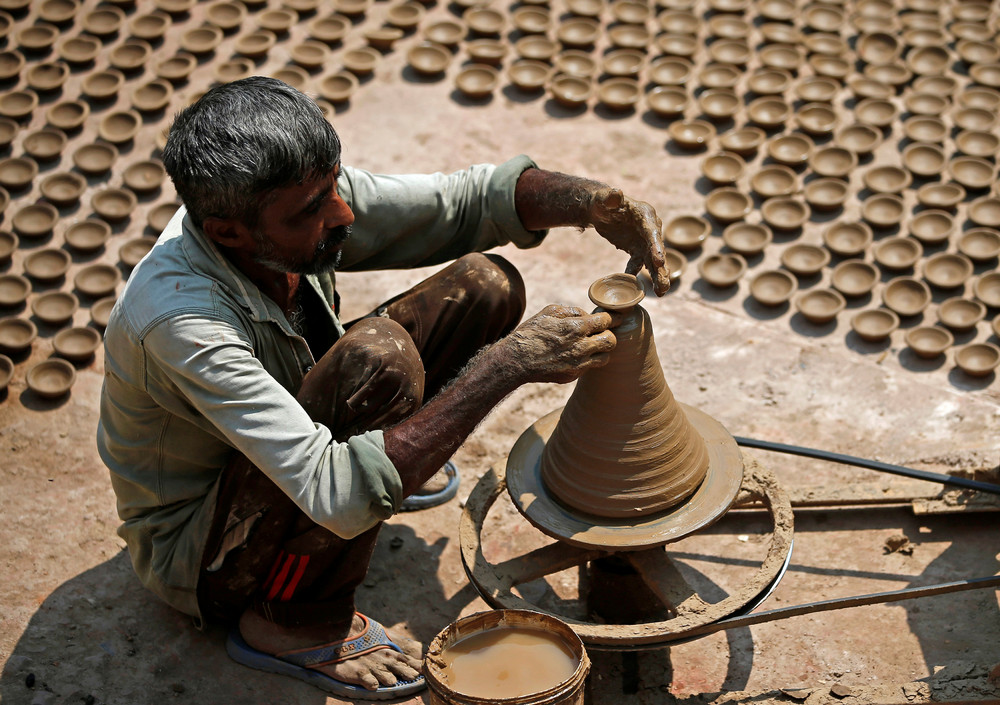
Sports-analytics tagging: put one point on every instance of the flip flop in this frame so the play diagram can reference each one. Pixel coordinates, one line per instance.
(302, 663)
(425, 501)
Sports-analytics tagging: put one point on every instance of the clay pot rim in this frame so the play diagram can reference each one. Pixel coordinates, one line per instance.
(911, 124)
(990, 234)
(24, 285)
(55, 114)
(812, 192)
(962, 358)
(772, 207)
(72, 239)
(731, 236)
(931, 215)
(415, 58)
(78, 182)
(905, 178)
(824, 316)
(876, 136)
(916, 338)
(730, 143)
(670, 232)
(756, 110)
(144, 165)
(84, 281)
(935, 260)
(625, 284)
(705, 265)
(910, 155)
(106, 148)
(680, 131)
(224, 21)
(59, 137)
(99, 203)
(36, 230)
(948, 307)
(91, 90)
(724, 157)
(143, 103)
(965, 139)
(912, 283)
(105, 132)
(123, 61)
(957, 163)
(63, 367)
(758, 180)
(910, 246)
(140, 26)
(18, 112)
(891, 323)
(464, 80)
(712, 204)
(795, 266)
(837, 154)
(329, 89)
(801, 156)
(786, 277)
(760, 74)
(850, 266)
(807, 82)
(21, 161)
(832, 240)
(91, 336)
(64, 314)
(47, 254)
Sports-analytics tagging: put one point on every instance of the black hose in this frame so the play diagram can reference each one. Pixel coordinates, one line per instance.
(870, 465)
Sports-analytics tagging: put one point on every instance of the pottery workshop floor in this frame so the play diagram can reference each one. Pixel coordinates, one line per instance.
(76, 624)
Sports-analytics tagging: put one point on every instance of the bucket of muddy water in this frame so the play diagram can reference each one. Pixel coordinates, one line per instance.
(506, 657)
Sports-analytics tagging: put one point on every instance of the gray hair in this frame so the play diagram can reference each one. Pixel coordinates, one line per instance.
(242, 140)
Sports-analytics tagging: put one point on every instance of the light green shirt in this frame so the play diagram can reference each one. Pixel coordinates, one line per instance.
(198, 362)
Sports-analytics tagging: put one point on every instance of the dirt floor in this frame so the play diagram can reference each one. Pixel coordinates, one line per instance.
(75, 626)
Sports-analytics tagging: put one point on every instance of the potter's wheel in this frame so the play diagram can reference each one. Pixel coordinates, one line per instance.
(710, 501)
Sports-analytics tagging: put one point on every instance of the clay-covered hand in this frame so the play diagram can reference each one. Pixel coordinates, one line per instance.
(634, 227)
(559, 343)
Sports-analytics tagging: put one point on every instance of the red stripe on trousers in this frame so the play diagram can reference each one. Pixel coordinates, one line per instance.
(299, 570)
(274, 569)
(279, 581)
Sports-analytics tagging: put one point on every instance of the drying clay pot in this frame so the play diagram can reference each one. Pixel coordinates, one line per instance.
(779, 11)
(947, 270)
(769, 81)
(827, 193)
(979, 97)
(932, 227)
(151, 26)
(63, 189)
(132, 252)
(585, 8)
(978, 359)
(631, 12)
(667, 101)
(486, 21)
(338, 87)
(114, 204)
(865, 87)
(941, 195)
(227, 15)
(487, 51)
(536, 47)
(629, 36)
(18, 104)
(719, 103)
(58, 11)
(980, 244)
(939, 85)
(177, 68)
(974, 118)
(530, 75)
(68, 115)
(477, 81)
(883, 210)
(17, 172)
(152, 96)
(722, 269)
(279, 20)
(253, 45)
(120, 126)
(887, 179)
(977, 143)
(160, 215)
(816, 119)
(774, 287)
(924, 159)
(730, 51)
(691, 134)
(619, 93)
(747, 238)
(37, 37)
(531, 20)
(97, 280)
(847, 239)
(578, 63)
(820, 305)
(878, 47)
(678, 45)
(744, 141)
(51, 379)
(897, 253)
(670, 71)
(833, 161)
(145, 176)
(924, 103)
(175, 7)
(330, 29)
(785, 213)
(782, 57)
(875, 325)
(45, 144)
(47, 265)
(804, 260)
(8, 244)
(35, 219)
(831, 66)
(310, 54)
(103, 21)
(679, 22)
(929, 341)
(985, 211)
(76, 344)
(8, 130)
(854, 277)
(824, 18)
(728, 27)
(95, 158)
(723, 168)
(201, 40)
(928, 60)
(817, 89)
(791, 149)
(874, 111)
(295, 76)
(130, 55)
(859, 138)
(922, 128)
(87, 235)
(54, 307)
(676, 263)
(960, 314)
(382, 38)
(769, 111)
(906, 296)
(103, 85)
(623, 62)
(728, 205)
(686, 232)
(14, 290)
(972, 172)
(48, 76)
(100, 311)
(16, 334)
(6, 371)
(987, 289)
(570, 91)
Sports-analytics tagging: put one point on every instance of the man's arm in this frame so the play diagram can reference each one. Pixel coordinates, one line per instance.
(548, 199)
(556, 345)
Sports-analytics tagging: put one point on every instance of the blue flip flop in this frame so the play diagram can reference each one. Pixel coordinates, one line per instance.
(302, 663)
(425, 501)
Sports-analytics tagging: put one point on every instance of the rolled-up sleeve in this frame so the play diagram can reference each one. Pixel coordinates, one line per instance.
(426, 219)
(205, 372)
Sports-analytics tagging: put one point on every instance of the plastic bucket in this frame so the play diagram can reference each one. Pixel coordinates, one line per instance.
(569, 692)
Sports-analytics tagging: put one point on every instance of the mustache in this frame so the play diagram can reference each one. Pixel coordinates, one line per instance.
(336, 236)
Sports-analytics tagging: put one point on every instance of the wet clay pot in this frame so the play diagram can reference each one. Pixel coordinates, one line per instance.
(624, 449)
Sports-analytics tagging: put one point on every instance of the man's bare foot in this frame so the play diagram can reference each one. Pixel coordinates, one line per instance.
(383, 667)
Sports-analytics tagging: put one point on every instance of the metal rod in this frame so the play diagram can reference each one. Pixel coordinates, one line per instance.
(870, 464)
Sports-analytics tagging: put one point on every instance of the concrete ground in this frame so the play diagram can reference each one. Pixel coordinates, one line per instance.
(75, 626)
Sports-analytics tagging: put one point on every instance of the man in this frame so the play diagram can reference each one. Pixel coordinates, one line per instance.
(255, 442)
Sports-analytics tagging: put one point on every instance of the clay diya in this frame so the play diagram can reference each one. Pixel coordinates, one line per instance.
(175, 7)
(774, 287)
(8, 244)
(728, 27)
(77, 344)
(883, 210)
(972, 172)
(571, 91)
(728, 205)
(826, 43)
(87, 235)
(932, 227)
(100, 311)
(619, 93)
(676, 263)
(630, 11)
(160, 215)
(774, 180)
(227, 15)
(629, 36)
(54, 307)
(224, 72)
(831, 66)
(382, 38)
(294, 76)
(986, 74)
(980, 244)
(114, 204)
(791, 150)
(681, 22)
(120, 126)
(785, 213)
(576, 63)
(6, 371)
(979, 97)
(982, 119)
(929, 341)
(63, 189)
(735, 52)
(722, 269)
(854, 277)
(68, 115)
(769, 81)
(847, 239)
(781, 57)
(743, 141)
(691, 134)
(875, 325)
(941, 85)
(16, 334)
(253, 45)
(585, 8)
(178, 67)
(878, 47)
(47, 76)
(906, 296)
(960, 314)
(37, 37)
(747, 238)
(531, 20)
(51, 379)
(820, 305)
(47, 265)
(924, 159)
(477, 81)
(95, 158)
(58, 11)
(144, 176)
(311, 54)
(865, 87)
(897, 253)
(723, 167)
(536, 47)
(833, 161)
(529, 75)
(623, 62)
(946, 270)
(827, 193)
(875, 111)
(103, 85)
(97, 280)
(17, 172)
(279, 19)
(894, 73)
(667, 101)
(860, 138)
(487, 51)
(817, 89)
(680, 45)
(925, 103)
(816, 118)
(977, 143)
(769, 111)
(887, 179)
(130, 55)
(352, 8)
(45, 144)
(686, 232)
(985, 211)
(929, 60)
(150, 26)
(104, 21)
(8, 130)
(18, 104)
(14, 290)
(338, 87)
(132, 252)
(670, 71)
(978, 359)
(780, 32)
(824, 18)
(35, 219)
(922, 128)
(804, 260)
(487, 21)
(361, 61)
(445, 32)
(779, 11)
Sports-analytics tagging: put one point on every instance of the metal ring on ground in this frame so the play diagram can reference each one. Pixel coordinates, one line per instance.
(426, 501)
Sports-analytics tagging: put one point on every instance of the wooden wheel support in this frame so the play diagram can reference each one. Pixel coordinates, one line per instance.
(689, 611)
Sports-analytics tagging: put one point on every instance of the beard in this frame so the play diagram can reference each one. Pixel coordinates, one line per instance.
(325, 258)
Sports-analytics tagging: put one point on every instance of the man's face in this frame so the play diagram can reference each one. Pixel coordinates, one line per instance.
(302, 227)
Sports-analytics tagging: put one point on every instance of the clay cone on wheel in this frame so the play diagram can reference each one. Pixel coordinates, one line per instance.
(623, 446)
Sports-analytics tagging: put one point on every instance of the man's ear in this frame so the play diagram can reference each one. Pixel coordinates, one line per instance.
(227, 232)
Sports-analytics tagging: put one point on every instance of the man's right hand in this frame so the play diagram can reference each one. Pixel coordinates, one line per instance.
(559, 343)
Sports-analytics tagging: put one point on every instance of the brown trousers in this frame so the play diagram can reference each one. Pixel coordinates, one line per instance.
(287, 567)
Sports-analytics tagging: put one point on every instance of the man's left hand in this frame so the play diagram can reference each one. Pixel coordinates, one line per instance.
(634, 227)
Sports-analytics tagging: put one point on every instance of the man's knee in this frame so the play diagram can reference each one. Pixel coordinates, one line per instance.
(493, 280)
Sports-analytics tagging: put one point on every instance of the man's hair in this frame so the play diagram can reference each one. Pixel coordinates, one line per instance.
(242, 140)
